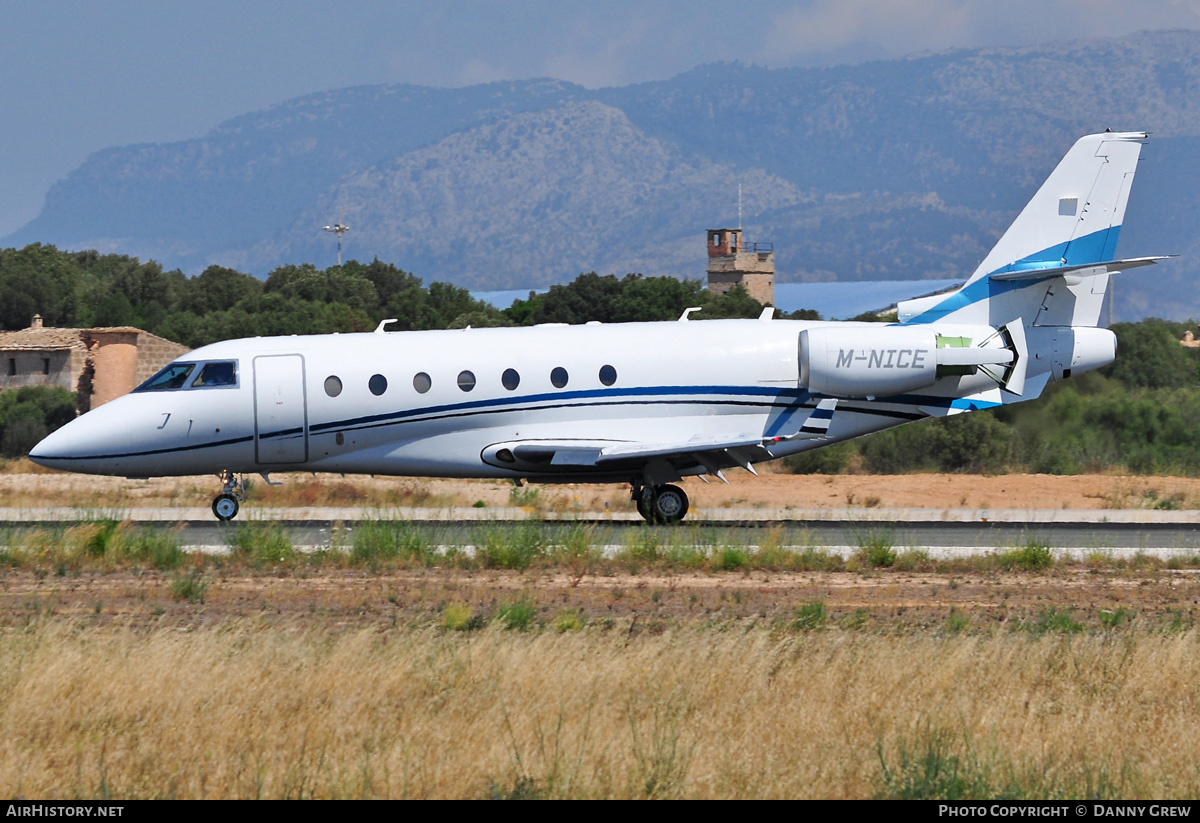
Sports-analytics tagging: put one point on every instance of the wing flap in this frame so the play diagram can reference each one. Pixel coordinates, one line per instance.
(630, 451)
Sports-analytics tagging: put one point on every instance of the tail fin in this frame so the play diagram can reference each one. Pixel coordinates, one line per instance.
(1069, 230)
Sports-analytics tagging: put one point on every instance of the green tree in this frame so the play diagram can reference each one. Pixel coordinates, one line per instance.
(41, 280)
(30, 413)
(633, 298)
(220, 289)
(1149, 355)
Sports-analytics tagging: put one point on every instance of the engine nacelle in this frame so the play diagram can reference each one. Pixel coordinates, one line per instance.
(1080, 350)
(859, 361)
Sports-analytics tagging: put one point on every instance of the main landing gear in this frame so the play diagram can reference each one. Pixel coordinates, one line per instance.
(226, 504)
(660, 505)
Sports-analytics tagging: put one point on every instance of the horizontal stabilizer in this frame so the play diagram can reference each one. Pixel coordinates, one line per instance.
(1080, 270)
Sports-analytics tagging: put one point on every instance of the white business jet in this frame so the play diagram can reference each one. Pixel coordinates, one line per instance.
(642, 403)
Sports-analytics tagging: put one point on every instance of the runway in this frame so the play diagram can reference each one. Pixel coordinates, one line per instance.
(940, 533)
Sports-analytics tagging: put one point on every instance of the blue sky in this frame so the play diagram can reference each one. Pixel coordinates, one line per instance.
(76, 77)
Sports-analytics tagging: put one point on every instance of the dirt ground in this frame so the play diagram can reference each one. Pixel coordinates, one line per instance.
(768, 491)
(649, 601)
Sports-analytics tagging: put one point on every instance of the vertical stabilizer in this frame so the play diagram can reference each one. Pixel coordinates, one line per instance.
(1074, 219)
(1076, 215)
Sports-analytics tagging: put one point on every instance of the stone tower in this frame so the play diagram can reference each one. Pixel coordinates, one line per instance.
(731, 262)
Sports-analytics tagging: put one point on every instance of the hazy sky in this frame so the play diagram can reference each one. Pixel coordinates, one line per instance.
(80, 76)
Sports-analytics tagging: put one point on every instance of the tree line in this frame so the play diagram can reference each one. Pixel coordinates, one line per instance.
(88, 289)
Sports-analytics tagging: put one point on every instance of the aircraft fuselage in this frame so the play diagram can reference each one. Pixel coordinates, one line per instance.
(433, 403)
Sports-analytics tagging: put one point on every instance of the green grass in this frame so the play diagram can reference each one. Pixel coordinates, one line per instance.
(518, 615)
(1054, 620)
(105, 539)
(390, 542)
(810, 616)
(517, 547)
(1113, 618)
(155, 548)
(568, 622)
(731, 558)
(938, 764)
(191, 587)
(957, 622)
(460, 617)
(1031, 557)
(261, 545)
(876, 550)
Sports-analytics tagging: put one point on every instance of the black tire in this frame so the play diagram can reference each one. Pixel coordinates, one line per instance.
(225, 507)
(670, 504)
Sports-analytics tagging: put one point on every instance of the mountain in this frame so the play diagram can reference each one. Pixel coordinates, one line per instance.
(894, 169)
(181, 203)
(526, 199)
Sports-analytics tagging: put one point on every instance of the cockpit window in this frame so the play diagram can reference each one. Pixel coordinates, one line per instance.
(219, 373)
(174, 376)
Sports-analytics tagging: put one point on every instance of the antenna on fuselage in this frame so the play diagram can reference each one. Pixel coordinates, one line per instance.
(339, 229)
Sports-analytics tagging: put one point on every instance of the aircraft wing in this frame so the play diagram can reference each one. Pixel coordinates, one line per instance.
(712, 452)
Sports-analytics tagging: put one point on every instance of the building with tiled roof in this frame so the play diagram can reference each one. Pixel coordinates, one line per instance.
(98, 364)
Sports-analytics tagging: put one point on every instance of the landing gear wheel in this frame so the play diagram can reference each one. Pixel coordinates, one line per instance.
(226, 504)
(225, 507)
(669, 505)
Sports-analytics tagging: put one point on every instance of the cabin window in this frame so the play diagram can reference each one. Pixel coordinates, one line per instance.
(377, 384)
(510, 379)
(558, 377)
(608, 375)
(466, 380)
(174, 376)
(333, 385)
(45, 365)
(219, 373)
(12, 367)
(421, 382)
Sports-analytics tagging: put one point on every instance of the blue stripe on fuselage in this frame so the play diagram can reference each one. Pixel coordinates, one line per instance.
(498, 403)
(791, 400)
(1097, 247)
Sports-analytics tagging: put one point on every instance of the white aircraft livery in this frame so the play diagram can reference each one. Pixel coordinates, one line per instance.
(642, 403)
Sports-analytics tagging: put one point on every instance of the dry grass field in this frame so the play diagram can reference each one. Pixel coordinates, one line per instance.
(233, 680)
(671, 669)
(247, 710)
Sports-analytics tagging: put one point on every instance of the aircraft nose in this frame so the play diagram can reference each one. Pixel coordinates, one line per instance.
(54, 449)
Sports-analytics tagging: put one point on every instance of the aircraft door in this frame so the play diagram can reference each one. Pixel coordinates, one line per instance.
(280, 413)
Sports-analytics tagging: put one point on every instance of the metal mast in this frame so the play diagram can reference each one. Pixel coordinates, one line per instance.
(338, 229)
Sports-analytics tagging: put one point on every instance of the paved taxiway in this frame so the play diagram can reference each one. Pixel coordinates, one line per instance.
(940, 532)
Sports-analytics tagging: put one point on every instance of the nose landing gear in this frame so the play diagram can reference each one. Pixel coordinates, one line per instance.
(660, 505)
(226, 504)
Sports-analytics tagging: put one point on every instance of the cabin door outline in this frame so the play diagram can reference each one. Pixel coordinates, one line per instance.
(280, 410)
